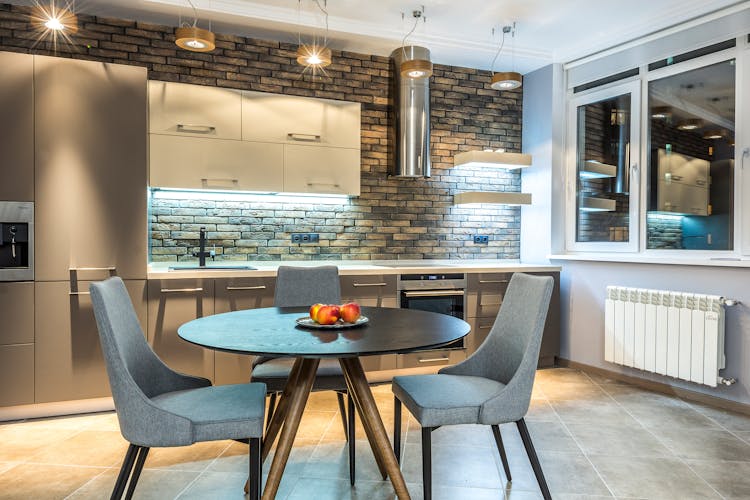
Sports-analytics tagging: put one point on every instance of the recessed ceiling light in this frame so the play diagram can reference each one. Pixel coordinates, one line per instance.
(689, 124)
(713, 134)
(54, 19)
(661, 112)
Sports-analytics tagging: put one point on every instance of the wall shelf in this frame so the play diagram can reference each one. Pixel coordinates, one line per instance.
(500, 159)
(496, 197)
(593, 169)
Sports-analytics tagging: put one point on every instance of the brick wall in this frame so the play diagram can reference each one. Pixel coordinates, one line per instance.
(391, 218)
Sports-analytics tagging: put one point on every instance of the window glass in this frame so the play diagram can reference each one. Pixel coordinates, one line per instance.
(691, 159)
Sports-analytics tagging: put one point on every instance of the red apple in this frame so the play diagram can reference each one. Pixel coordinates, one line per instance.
(328, 315)
(350, 312)
(314, 311)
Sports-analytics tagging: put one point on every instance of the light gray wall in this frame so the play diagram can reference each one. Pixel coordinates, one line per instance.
(583, 286)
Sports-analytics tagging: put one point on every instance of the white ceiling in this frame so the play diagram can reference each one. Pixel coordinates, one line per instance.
(457, 32)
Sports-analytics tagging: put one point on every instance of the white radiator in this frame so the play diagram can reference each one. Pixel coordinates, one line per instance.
(677, 334)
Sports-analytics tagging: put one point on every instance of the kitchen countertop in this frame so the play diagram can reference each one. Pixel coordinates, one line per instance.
(160, 270)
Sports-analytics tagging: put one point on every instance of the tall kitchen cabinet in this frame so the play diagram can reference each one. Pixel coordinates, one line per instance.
(90, 173)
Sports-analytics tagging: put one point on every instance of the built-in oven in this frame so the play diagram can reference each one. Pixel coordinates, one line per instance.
(16, 241)
(435, 292)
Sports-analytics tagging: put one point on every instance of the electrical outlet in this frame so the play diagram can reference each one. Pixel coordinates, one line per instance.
(305, 237)
(480, 239)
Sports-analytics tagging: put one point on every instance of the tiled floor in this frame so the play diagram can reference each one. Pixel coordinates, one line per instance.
(596, 439)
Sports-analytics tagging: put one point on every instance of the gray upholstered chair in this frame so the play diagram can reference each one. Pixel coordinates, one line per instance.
(305, 286)
(492, 386)
(159, 407)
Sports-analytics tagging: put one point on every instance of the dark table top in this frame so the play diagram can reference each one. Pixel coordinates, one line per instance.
(273, 331)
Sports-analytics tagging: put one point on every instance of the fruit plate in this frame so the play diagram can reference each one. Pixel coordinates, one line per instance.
(307, 322)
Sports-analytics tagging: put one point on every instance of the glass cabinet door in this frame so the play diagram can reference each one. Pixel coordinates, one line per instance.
(603, 164)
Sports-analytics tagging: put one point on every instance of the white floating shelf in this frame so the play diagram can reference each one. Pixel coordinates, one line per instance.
(591, 204)
(492, 159)
(593, 169)
(496, 197)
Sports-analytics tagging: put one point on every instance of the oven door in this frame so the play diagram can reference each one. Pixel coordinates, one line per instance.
(450, 302)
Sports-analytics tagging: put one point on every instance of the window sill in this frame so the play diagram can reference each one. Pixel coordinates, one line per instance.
(649, 259)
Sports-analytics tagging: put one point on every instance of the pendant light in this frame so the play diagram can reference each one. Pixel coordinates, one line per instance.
(54, 19)
(315, 56)
(193, 38)
(414, 68)
(506, 80)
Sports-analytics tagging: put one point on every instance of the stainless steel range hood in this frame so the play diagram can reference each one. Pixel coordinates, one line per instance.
(410, 118)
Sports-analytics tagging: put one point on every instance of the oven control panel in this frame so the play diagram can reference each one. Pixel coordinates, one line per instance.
(430, 281)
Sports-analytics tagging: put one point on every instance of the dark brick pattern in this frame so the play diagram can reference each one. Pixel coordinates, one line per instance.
(391, 218)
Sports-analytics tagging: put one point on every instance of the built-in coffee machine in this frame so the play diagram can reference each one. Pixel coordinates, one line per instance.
(16, 241)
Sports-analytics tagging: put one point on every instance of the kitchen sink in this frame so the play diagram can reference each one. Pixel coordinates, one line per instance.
(420, 264)
(212, 268)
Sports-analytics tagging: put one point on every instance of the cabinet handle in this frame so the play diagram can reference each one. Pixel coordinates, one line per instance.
(332, 184)
(181, 290)
(195, 129)
(206, 183)
(233, 288)
(435, 293)
(434, 360)
(485, 327)
(700, 182)
(486, 282)
(74, 269)
(303, 137)
(358, 285)
(676, 177)
(79, 293)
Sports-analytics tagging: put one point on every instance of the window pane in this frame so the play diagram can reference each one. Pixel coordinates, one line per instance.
(603, 156)
(691, 159)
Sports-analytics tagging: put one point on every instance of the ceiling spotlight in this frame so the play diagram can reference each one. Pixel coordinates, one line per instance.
(54, 19)
(713, 134)
(690, 124)
(313, 55)
(413, 66)
(191, 37)
(661, 112)
(507, 80)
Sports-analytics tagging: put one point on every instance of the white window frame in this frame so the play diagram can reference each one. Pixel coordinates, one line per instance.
(631, 86)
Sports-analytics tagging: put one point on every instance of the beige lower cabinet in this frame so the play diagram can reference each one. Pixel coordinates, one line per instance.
(17, 343)
(17, 374)
(172, 303)
(236, 294)
(68, 359)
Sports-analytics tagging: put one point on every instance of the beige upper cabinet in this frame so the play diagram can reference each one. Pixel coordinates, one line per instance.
(300, 120)
(90, 167)
(16, 127)
(202, 163)
(320, 169)
(194, 110)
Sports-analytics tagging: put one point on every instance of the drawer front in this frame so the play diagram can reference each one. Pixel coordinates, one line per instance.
(375, 290)
(485, 292)
(17, 313)
(427, 359)
(17, 372)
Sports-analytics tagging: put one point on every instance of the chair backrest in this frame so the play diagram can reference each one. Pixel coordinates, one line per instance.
(305, 286)
(510, 352)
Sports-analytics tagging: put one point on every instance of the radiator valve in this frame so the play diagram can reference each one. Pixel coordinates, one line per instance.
(727, 381)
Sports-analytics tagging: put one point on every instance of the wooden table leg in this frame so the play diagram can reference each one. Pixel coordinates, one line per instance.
(368, 411)
(294, 410)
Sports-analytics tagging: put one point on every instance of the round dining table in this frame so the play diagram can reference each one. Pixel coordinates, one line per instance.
(274, 331)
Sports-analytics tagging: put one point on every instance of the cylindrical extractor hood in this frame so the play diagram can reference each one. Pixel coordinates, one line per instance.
(410, 117)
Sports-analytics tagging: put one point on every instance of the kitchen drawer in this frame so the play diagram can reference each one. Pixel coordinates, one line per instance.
(379, 363)
(321, 169)
(201, 163)
(17, 374)
(17, 313)
(373, 290)
(433, 358)
(194, 110)
(172, 303)
(235, 294)
(484, 294)
(480, 328)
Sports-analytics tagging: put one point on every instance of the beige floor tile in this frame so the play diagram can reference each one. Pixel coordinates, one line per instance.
(729, 420)
(617, 440)
(4, 466)
(94, 448)
(551, 376)
(37, 481)
(307, 488)
(152, 485)
(656, 416)
(570, 473)
(455, 465)
(223, 485)
(20, 442)
(658, 478)
(592, 412)
(704, 444)
(331, 460)
(196, 457)
(315, 424)
(541, 409)
(546, 436)
(730, 479)
(575, 391)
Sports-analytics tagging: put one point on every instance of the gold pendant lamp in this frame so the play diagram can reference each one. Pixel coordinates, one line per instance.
(316, 55)
(193, 38)
(505, 80)
(415, 68)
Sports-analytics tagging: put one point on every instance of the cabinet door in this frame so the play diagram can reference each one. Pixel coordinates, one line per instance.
(682, 199)
(319, 169)
(17, 374)
(90, 167)
(199, 163)
(194, 110)
(373, 290)
(17, 313)
(172, 303)
(236, 294)
(16, 127)
(285, 118)
(69, 363)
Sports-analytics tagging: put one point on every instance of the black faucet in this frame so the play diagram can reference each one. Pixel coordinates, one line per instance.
(201, 253)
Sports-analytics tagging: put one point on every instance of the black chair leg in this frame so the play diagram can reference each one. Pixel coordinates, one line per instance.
(143, 453)
(501, 449)
(271, 408)
(397, 428)
(350, 415)
(256, 471)
(125, 470)
(342, 411)
(526, 438)
(427, 462)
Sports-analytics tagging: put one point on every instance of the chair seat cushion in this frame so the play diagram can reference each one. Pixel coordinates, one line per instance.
(444, 399)
(275, 372)
(219, 412)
